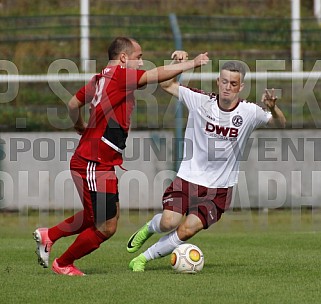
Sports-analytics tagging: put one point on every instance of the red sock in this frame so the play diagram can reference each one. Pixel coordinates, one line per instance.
(70, 226)
(86, 242)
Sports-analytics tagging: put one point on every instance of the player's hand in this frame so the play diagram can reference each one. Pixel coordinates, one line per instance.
(201, 59)
(80, 129)
(269, 98)
(179, 56)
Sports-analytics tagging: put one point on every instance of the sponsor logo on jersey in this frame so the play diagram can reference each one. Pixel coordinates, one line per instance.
(221, 132)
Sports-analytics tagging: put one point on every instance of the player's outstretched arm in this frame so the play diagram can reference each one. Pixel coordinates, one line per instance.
(167, 72)
(278, 119)
(171, 86)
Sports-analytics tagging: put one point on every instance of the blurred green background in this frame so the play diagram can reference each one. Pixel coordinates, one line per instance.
(34, 34)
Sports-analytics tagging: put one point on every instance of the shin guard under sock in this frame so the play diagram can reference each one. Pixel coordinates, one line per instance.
(70, 226)
(86, 242)
(163, 247)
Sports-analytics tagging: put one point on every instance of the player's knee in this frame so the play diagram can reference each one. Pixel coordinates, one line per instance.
(108, 229)
(167, 224)
(111, 231)
(170, 220)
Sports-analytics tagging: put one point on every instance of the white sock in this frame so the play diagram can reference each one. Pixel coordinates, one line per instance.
(163, 247)
(154, 225)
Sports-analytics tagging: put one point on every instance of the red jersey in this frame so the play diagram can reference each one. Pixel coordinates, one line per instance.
(111, 94)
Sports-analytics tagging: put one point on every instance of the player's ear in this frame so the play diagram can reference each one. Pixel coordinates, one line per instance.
(123, 57)
(241, 86)
(218, 81)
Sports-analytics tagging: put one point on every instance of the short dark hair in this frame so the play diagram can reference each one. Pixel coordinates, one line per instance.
(234, 66)
(119, 45)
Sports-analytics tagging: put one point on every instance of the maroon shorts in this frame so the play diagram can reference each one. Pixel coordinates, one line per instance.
(206, 203)
(97, 186)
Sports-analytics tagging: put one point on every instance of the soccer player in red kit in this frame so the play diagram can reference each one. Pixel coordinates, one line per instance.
(111, 98)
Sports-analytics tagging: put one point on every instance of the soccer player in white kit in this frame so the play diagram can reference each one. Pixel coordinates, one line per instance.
(217, 130)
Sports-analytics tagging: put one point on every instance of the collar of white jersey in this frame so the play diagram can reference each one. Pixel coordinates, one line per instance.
(230, 110)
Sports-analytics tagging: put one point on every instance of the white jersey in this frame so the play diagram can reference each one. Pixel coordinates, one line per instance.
(215, 139)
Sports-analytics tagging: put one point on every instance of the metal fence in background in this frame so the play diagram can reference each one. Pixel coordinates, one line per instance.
(32, 44)
(272, 36)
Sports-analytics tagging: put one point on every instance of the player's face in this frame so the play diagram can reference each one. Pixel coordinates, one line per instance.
(229, 86)
(135, 59)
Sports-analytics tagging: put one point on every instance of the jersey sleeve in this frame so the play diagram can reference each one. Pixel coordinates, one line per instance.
(128, 79)
(190, 98)
(262, 117)
(87, 92)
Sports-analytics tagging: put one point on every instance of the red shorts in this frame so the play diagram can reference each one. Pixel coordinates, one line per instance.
(97, 186)
(207, 204)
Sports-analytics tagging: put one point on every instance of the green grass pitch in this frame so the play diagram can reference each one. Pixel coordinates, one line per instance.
(250, 257)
